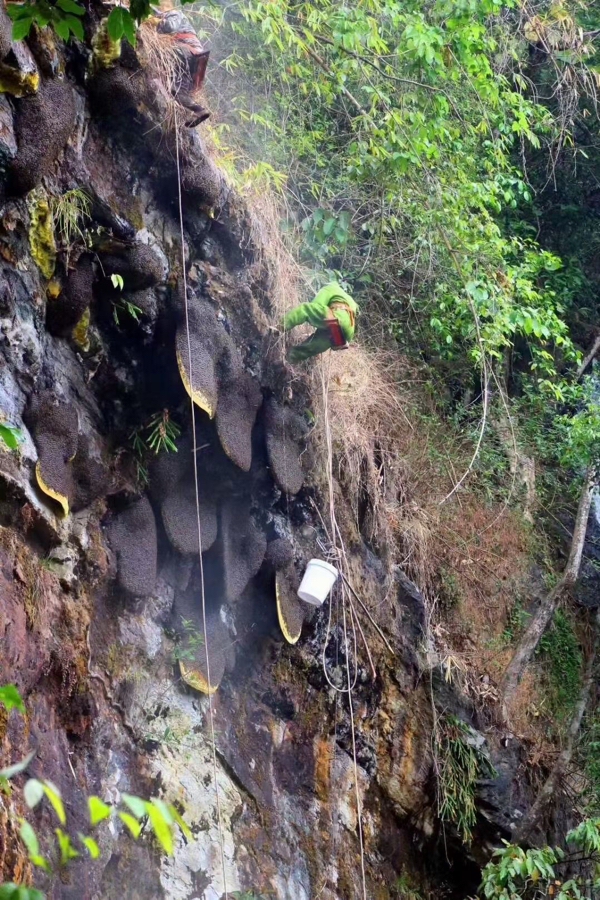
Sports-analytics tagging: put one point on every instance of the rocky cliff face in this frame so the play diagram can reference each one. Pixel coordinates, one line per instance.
(101, 624)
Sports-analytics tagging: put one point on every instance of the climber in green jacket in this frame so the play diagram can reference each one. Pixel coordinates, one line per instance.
(332, 313)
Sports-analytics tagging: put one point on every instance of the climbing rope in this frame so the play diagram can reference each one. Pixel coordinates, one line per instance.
(199, 526)
(340, 555)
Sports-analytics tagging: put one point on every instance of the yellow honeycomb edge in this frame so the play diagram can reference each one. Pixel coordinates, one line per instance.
(60, 498)
(197, 396)
(196, 679)
(282, 623)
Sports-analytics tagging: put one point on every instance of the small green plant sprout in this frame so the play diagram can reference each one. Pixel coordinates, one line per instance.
(162, 432)
(460, 765)
(10, 436)
(69, 214)
(125, 306)
(63, 15)
(117, 281)
(10, 698)
(159, 433)
(189, 643)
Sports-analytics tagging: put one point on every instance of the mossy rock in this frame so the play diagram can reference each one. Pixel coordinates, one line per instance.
(42, 244)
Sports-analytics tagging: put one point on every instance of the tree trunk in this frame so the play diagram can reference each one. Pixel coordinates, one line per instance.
(541, 618)
(536, 811)
(588, 358)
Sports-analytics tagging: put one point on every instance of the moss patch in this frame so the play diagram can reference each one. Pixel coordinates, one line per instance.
(41, 233)
(19, 84)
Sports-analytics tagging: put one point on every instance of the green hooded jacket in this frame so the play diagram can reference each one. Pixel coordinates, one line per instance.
(314, 313)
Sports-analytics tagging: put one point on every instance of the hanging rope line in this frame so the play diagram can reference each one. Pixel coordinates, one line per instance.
(340, 555)
(198, 524)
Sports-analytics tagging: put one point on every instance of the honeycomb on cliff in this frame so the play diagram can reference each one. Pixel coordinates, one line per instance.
(132, 536)
(180, 518)
(244, 546)
(43, 125)
(238, 405)
(54, 425)
(65, 311)
(214, 357)
(196, 644)
(291, 611)
(137, 264)
(284, 430)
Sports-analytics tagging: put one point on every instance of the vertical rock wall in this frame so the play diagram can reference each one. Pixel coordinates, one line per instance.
(100, 590)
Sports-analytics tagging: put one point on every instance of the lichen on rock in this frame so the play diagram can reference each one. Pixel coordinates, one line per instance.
(42, 244)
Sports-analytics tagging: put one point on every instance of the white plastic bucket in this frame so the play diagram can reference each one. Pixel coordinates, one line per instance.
(319, 578)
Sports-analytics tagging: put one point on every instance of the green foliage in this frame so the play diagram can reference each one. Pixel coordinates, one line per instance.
(588, 758)
(117, 281)
(162, 817)
(517, 874)
(404, 888)
(10, 891)
(158, 434)
(516, 621)
(69, 213)
(63, 15)
(10, 435)
(460, 765)
(561, 654)
(10, 698)
(190, 643)
(120, 23)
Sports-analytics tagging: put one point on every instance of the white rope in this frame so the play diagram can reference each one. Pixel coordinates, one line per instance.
(199, 526)
(341, 557)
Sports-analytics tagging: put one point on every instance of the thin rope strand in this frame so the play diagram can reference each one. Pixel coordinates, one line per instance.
(342, 561)
(199, 526)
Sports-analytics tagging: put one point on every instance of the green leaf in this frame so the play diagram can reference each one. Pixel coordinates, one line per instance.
(28, 836)
(114, 25)
(129, 27)
(137, 806)
(53, 795)
(90, 845)
(33, 792)
(69, 6)
(132, 824)
(160, 827)
(178, 819)
(18, 767)
(12, 437)
(75, 26)
(62, 28)
(67, 851)
(21, 28)
(98, 810)
(117, 280)
(18, 11)
(9, 695)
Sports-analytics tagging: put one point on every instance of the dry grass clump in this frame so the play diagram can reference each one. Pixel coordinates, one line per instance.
(166, 69)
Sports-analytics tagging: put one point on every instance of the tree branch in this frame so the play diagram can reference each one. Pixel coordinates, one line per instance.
(541, 618)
